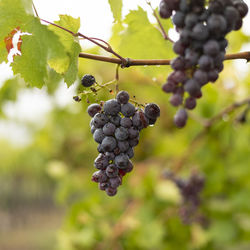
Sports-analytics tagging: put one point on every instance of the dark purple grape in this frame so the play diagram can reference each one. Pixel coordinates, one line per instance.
(109, 144)
(100, 120)
(121, 161)
(180, 76)
(93, 109)
(190, 103)
(172, 4)
(200, 32)
(205, 62)
(217, 24)
(180, 118)
(179, 19)
(192, 87)
(213, 75)
(164, 11)
(128, 109)
(201, 77)
(88, 80)
(126, 122)
(178, 63)
(179, 47)
(123, 146)
(109, 129)
(133, 133)
(101, 162)
(129, 168)
(190, 20)
(111, 191)
(103, 185)
(176, 100)
(110, 156)
(139, 120)
(115, 120)
(211, 48)
(121, 133)
(134, 142)
(112, 107)
(99, 176)
(130, 153)
(115, 182)
(168, 87)
(241, 7)
(122, 97)
(112, 171)
(152, 111)
(98, 135)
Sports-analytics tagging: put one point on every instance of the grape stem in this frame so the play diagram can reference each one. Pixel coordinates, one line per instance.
(207, 124)
(162, 30)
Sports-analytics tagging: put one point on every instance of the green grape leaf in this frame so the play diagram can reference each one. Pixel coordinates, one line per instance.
(12, 16)
(71, 45)
(116, 8)
(141, 40)
(37, 49)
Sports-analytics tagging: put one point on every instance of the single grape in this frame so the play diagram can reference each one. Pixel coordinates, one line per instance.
(164, 11)
(112, 171)
(115, 182)
(178, 63)
(190, 20)
(122, 97)
(201, 77)
(130, 152)
(111, 191)
(180, 118)
(103, 185)
(152, 110)
(121, 161)
(88, 80)
(133, 132)
(98, 135)
(192, 87)
(109, 143)
(115, 120)
(93, 109)
(134, 142)
(101, 162)
(211, 48)
(200, 32)
(190, 103)
(179, 19)
(100, 120)
(128, 109)
(109, 129)
(205, 62)
(176, 100)
(121, 133)
(126, 122)
(99, 176)
(112, 107)
(110, 155)
(123, 146)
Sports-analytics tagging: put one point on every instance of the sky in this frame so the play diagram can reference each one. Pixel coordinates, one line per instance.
(96, 21)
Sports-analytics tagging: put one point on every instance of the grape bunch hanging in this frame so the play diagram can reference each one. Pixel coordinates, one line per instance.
(116, 127)
(201, 46)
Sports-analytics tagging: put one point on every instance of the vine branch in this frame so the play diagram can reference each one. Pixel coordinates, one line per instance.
(150, 62)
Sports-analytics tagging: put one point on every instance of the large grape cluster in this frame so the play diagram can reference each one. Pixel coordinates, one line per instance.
(201, 46)
(116, 127)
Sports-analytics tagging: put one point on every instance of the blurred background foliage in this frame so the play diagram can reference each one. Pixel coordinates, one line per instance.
(47, 199)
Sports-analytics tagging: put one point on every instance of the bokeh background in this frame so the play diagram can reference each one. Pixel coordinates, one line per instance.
(47, 200)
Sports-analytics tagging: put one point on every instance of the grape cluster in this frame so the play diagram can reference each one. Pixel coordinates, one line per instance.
(190, 190)
(116, 128)
(201, 46)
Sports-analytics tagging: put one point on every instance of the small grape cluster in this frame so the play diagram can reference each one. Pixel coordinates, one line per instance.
(201, 46)
(116, 129)
(190, 190)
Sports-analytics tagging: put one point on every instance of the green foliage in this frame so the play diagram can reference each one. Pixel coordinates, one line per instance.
(116, 8)
(59, 159)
